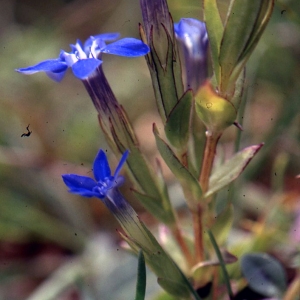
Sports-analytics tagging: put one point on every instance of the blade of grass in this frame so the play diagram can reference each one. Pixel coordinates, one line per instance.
(141, 278)
(222, 263)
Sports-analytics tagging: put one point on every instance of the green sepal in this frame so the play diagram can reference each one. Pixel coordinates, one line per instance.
(216, 112)
(165, 73)
(166, 83)
(231, 169)
(142, 174)
(178, 121)
(178, 289)
(214, 28)
(162, 210)
(189, 183)
(139, 237)
(141, 278)
(246, 21)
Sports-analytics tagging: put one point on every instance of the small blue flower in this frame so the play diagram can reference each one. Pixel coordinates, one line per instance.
(88, 187)
(192, 35)
(85, 59)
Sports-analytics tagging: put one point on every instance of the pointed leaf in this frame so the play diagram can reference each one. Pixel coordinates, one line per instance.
(222, 263)
(189, 183)
(178, 121)
(231, 169)
(238, 29)
(141, 278)
(214, 27)
(265, 275)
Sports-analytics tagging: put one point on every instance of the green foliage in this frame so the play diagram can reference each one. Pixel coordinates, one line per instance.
(231, 169)
(178, 122)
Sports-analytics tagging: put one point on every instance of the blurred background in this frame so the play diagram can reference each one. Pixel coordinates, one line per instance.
(54, 245)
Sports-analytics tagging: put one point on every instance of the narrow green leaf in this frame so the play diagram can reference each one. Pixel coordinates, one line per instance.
(244, 26)
(237, 32)
(214, 27)
(231, 169)
(260, 25)
(178, 122)
(189, 183)
(264, 274)
(262, 21)
(222, 263)
(141, 278)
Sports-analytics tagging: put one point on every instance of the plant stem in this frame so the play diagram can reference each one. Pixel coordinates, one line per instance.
(198, 232)
(208, 159)
(182, 244)
(198, 215)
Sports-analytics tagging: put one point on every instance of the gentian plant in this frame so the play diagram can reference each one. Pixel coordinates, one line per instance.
(198, 73)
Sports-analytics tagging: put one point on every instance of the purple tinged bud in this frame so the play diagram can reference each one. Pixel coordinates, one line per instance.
(193, 39)
(155, 13)
(157, 24)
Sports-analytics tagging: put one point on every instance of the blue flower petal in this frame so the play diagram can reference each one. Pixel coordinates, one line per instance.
(50, 65)
(121, 163)
(129, 47)
(80, 184)
(104, 36)
(101, 167)
(84, 67)
(56, 76)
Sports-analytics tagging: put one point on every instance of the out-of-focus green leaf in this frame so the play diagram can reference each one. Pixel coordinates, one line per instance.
(178, 122)
(189, 183)
(141, 278)
(231, 169)
(265, 275)
(214, 27)
(222, 226)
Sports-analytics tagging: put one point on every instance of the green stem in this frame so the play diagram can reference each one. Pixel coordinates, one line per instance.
(198, 233)
(182, 244)
(208, 159)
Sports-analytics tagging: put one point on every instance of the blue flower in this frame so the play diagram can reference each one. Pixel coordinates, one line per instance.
(85, 59)
(104, 183)
(192, 35)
